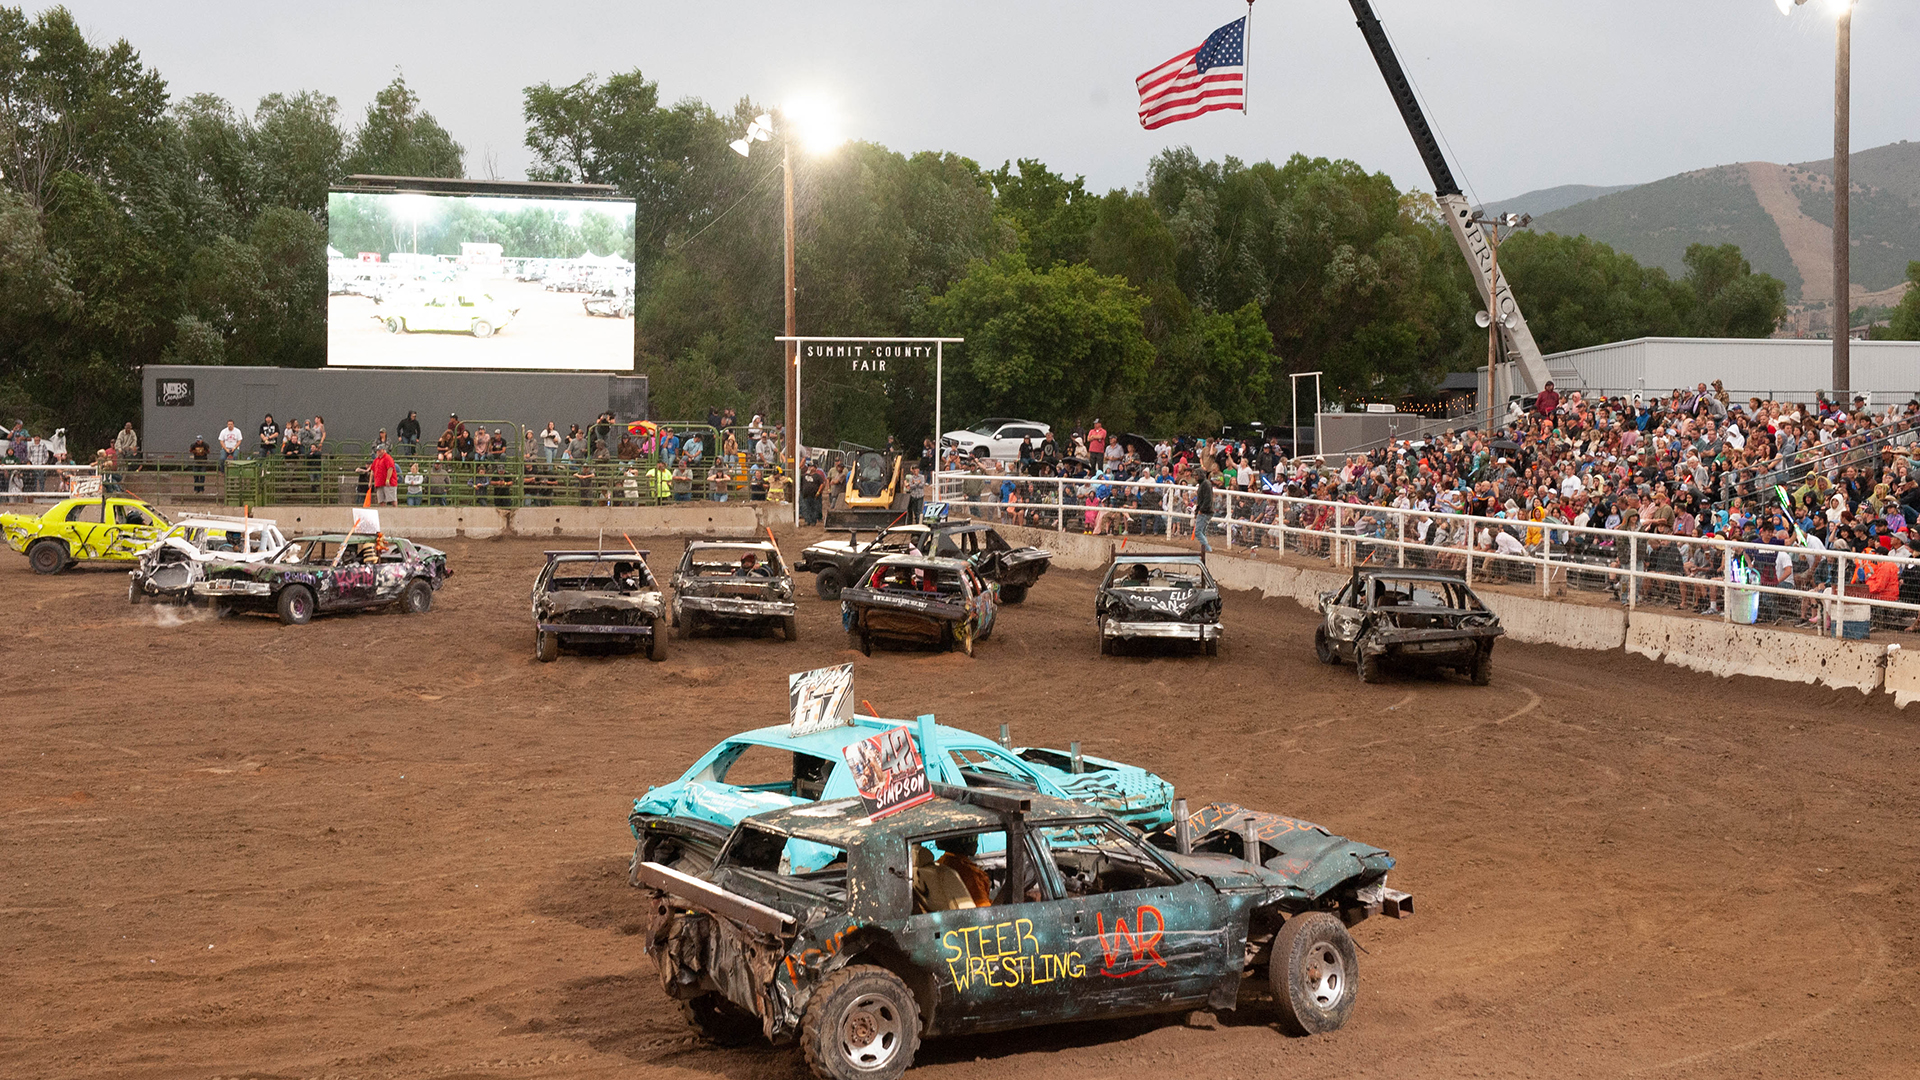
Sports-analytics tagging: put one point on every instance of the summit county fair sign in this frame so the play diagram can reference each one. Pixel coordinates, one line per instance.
(863, 355)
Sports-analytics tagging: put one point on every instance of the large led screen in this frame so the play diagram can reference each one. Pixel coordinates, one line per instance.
(475, 281)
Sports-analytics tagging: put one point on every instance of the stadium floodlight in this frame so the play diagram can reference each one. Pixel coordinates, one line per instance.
(741, 147)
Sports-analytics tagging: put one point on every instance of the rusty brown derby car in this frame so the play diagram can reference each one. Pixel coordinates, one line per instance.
(597, 600)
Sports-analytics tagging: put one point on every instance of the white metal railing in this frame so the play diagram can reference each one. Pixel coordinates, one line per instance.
(44, 483)
(1640, 569)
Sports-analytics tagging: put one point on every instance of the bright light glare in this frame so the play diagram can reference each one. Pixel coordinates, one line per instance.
(815, 123)
(1837, 8)
(741, 146)
(1785, 6)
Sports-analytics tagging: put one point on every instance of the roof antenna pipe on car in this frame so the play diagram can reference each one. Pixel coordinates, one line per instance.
(1078, 765)
(1182, 828)
(1006, 737)
(1250, 840)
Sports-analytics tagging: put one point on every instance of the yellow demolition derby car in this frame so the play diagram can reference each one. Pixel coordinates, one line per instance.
(110, 527)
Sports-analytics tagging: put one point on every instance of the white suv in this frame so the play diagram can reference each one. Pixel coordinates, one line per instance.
(996, 437)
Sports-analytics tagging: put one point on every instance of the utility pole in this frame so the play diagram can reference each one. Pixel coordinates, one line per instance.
(1842, 191)
(792, 347)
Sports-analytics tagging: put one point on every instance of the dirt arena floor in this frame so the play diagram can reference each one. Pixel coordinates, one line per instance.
(395, 846)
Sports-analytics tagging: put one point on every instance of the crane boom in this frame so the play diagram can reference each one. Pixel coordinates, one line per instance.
(1466, 232)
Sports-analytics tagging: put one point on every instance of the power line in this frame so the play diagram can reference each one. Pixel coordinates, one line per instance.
(728, 210)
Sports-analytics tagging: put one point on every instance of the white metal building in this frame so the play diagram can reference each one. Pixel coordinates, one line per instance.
(1749, 367)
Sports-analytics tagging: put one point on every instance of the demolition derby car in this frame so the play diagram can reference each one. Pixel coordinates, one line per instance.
(1015, 569)
(733, 585)
(908, 599)
(1166, 597)
(1415, 618)
(324, 574)
(115, 528)
(981, 911)
(477, 314)
(178, 561)
(597, 598)
(684, 823)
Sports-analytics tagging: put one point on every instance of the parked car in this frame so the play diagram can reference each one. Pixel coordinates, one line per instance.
(610, 303)
(907, 599)
(597, 599)
(836, 562)
(318, 575)
(997, 437)
(460, 313)
(684, 823)
(983, 911)
(1158, 597)
(111, 528)
(733, 585)
(1424, 619)
(177, 561)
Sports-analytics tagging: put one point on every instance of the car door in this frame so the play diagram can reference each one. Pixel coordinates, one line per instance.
(1153, 939)
(1007, 963)
(85, 527)
(1343, 618)
(135, 526)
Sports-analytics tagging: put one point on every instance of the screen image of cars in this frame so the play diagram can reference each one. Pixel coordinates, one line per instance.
(983, 911)
(459, 313)
(108, 528)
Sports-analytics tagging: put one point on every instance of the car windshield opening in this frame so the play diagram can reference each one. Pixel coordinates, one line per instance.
(1143, 575)
(1097, 857)
(979, 768)
(766, 768)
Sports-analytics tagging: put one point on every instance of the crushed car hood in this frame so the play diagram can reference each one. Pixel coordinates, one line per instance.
(1185, 604)
(1294, 856)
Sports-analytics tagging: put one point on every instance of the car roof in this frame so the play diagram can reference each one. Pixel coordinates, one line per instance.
(581, 556)
(832, 741)
(200, 522)
(1414, 575)
(929, 562)
(346, 536)
(1196, 560)
(843, 823)
(733, 545)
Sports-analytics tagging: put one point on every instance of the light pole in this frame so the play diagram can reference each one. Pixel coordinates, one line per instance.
(760, 130)
(1491, 226)
(1842, 11)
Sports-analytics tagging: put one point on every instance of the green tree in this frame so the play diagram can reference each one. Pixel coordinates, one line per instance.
(66, 106)
(299, 149)
(1053, 215)
(1065, 342)
(1577, 292)
(1904, 322)
(399, 138)
(1727, 298)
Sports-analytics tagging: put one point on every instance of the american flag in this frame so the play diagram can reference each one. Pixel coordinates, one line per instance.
(1200, 80)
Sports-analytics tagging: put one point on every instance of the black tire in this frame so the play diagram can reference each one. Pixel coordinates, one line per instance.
(720, 1021)
(1212, 647)
(1315, 974)
(1482, 670)
(48, 557)
(395, 325)
(657, 644)
(860, 642)
(417, 598)
(1368, 667)
(1106, 643)
(222, 609)
(790, 627)
(296, 605)
(482, 328)
(828, 583)
(1013, 594)
(134, 595)
(546, 646)
(685, 625)
(1323, 647)
(861, 1024)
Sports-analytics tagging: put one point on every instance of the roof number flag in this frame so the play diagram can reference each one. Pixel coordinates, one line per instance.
(1201, 80)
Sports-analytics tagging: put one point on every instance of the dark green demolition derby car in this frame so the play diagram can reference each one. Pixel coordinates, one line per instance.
(979, 911)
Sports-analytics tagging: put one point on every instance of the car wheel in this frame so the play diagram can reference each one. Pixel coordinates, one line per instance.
(482, 328)
(861, 1024)
(721, 1021)
(1107, 645)
(1367, 666)
(546, 646)
(134, 595)
(418, 598)
(1212, 646)
(396, 325)
(657, 643)
(790, 627)
(1314, 972)
(296, 605)
(1323, 647)
(860, 642)
(685, 625)
(47, 557)
(828, 583)
(1013, 594)
(1482, 673)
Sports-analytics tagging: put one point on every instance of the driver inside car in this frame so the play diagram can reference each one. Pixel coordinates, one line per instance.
(626, 576)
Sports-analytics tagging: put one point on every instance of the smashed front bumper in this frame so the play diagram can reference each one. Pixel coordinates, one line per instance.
(1160, 628)
(226, 588)
(737, 607)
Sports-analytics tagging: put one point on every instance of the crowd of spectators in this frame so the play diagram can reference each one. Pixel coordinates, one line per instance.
(1812, 477)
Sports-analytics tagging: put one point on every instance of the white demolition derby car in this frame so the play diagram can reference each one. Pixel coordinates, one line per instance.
(172, 565)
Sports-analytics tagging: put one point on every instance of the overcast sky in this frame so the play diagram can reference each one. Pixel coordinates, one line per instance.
(1529, 93)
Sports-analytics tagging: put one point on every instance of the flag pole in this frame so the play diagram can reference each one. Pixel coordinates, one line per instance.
(1246, 60)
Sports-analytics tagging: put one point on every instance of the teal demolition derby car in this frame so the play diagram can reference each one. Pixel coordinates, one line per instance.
(685, 822)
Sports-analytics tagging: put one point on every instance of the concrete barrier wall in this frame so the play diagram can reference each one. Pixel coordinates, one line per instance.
(1719, 648)
(1710, 646)
(720, 520)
